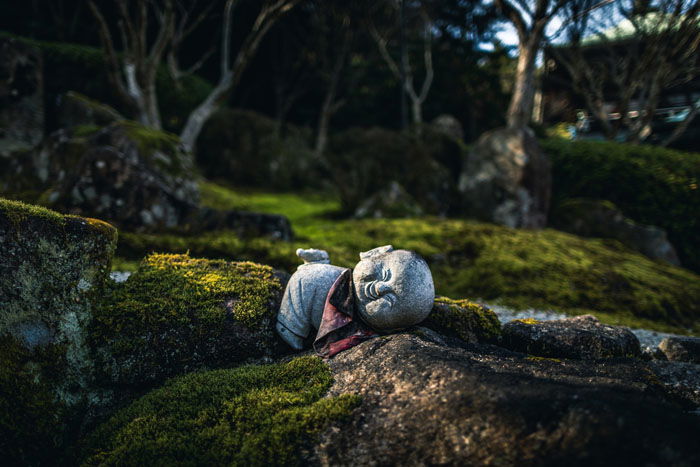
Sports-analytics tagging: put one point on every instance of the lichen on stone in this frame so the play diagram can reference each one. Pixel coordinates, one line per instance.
(251, 415)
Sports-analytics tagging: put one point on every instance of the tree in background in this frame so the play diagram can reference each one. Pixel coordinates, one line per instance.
(530, 19)
(629, 52)
(132, 70)
(395, 18)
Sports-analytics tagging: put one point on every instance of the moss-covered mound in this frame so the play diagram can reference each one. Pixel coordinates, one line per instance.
(177, 314)
(651, 185)
(463, 319)
(521, 268)
(252, 415)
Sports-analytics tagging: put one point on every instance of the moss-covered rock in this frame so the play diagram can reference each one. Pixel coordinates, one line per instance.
(135, 176)
(52, 268)
(21, 96)
(581, 337)
(78, 110)
(463, 319)
(176, 314)
(252, 415)
(600, 218)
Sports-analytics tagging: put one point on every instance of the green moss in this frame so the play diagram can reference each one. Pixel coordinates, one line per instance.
(17, 212)
(651, 185)
(84, 131)
(31, 420)
(527, 321)
(177, 313)
(148, 139)
(252, 415)
(463, 319)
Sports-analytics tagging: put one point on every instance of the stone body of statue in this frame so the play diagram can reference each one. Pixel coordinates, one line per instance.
(386, 291)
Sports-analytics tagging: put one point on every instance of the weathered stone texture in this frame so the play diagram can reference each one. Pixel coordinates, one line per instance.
(507, 179)
(427, 404)
(582, 337)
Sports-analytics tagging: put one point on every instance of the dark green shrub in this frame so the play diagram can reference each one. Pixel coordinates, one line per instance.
(245, 149)
(363, 161)
(651, 185)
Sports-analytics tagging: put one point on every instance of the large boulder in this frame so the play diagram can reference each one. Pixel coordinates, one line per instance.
(582, 337)
(52, 269)
(139, 178)
(507, 179)
(429, 404)
(129, 174)
(21, 96)
(597, 218)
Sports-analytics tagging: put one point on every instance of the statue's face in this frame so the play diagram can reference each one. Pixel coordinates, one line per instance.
(394, 289)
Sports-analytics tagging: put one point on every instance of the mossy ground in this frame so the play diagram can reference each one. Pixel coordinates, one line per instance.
(518, 268)
(251, 415)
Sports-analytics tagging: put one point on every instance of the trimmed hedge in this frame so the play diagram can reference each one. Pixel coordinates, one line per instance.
(651, 185)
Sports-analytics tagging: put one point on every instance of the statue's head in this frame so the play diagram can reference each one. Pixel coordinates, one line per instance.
(394, 288)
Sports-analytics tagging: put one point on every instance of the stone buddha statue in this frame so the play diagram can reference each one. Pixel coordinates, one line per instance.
(387, 290)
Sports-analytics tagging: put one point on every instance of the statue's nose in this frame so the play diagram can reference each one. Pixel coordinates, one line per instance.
(383, 288)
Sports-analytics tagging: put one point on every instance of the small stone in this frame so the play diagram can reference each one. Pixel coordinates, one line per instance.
(582, 337)
(681, 349)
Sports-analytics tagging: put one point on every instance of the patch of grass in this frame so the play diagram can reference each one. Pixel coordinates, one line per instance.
(251, 415)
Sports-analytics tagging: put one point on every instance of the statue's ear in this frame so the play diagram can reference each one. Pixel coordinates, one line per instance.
(380, 250)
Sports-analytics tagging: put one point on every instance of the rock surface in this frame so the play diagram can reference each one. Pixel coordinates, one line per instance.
(21, 96)
(595, 218)
(581, 337)
(52, 267)
(138, 178)
(507, 179)
(134, 176)
(681, 349)
(682, 379)
(427, 404)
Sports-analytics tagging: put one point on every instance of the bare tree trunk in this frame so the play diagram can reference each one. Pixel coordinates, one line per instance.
(521, 103)
(270, 12)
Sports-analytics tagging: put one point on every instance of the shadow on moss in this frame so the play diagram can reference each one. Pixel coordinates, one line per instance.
(252, 415)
